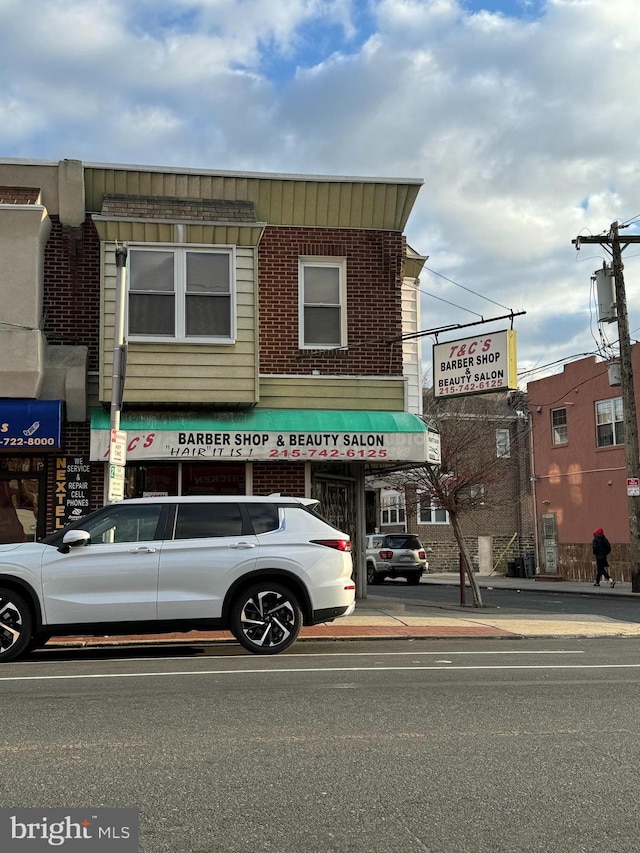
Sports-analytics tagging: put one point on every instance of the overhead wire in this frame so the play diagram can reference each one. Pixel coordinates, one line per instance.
(468, 289)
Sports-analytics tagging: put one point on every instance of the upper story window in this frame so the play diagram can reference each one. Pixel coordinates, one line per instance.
(609, 424)
(503, 444)
(181, 294)
(392, 507)
(559, 426)
(322, 300)
(429, 512)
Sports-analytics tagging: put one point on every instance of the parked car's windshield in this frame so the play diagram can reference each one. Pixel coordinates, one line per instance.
(411, 542)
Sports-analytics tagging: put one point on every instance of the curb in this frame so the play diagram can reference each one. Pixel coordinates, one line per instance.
(632, 596)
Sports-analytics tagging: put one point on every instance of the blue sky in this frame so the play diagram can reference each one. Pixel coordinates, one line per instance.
(516, 113)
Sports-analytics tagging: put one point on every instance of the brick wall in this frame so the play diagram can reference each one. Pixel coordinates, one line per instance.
(19, 195)
(374, 277)
(71, 311)
(71, 300)
(179, 209)
(284, 477)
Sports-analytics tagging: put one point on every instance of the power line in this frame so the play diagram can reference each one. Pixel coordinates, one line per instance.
(468, 289)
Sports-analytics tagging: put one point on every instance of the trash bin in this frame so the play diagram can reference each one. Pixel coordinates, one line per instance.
(511, 569)
(520, 567)
(530, 565)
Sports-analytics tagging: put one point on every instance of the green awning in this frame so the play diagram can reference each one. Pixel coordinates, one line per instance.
(270, 434)
(268, 420)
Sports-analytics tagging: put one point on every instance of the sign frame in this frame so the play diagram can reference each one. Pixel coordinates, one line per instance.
(480, 364)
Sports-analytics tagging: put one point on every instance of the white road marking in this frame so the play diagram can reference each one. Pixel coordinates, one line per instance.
(299, 670)
(413, 653)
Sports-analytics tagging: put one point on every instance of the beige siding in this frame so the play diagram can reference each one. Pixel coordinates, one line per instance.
(153, 231)
(180, 373)
(412, 348)
(299, 201)
(349, 393)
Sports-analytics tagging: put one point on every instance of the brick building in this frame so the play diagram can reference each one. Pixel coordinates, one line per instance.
(487, 433)
(264, 323)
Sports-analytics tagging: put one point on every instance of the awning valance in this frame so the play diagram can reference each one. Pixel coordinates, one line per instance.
(270, 434)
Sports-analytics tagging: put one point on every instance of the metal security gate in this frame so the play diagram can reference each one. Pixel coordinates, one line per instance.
(340, 490)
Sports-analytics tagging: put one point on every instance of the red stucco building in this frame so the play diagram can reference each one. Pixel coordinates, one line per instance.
(580, 477)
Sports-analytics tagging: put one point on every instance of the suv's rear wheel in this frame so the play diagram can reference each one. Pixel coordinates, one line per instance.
(266, 618)
(414, 577)
(16, 624)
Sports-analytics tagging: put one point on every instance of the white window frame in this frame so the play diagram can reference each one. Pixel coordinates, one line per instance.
(433, 508)
(335, 263)
(180, 284)
(392, 503)
(559, 429)
(503, 444)
(614, 403)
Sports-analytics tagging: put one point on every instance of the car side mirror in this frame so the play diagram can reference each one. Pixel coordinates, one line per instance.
(74, 539)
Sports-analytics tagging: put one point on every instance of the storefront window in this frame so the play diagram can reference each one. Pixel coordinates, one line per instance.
(146, 481)
(184, 478)
(20, 484)
(199, 478)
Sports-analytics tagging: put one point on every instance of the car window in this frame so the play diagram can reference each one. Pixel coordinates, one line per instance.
(264, 517)
(411, 542)
(377, 542)
(133, 523)
(205, 520)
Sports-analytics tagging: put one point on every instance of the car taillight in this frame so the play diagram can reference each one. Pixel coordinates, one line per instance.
(386, 555)
(338, 544)
(422, 555)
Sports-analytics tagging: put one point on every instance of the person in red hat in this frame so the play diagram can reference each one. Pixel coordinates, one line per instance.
(601, 549)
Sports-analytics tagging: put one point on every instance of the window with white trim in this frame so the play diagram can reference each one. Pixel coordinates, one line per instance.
(559, 431)
(322, 303)
(430, 512)
(181, 294)
(609, 422)
(392, 507)
(503, 444)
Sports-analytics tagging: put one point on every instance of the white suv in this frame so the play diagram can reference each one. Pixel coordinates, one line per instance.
(258, 566)
(395, 555)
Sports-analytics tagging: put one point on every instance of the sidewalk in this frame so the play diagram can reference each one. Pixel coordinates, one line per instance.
(379, 617)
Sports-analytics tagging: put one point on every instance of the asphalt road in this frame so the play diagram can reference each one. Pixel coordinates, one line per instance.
(626, 609)
(402, 746)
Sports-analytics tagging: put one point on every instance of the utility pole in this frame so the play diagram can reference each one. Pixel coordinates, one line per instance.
(611, 243)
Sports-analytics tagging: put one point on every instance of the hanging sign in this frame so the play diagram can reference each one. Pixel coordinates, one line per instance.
(477, 365)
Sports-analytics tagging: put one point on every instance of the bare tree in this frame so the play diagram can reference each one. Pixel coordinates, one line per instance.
(470, 462)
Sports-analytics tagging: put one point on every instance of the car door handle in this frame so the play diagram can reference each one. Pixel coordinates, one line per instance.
(241, 545)
(142, 550)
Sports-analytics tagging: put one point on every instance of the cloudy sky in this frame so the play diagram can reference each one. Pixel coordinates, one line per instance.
(521, 116)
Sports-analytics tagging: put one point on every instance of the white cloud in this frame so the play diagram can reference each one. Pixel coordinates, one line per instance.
(524, 129)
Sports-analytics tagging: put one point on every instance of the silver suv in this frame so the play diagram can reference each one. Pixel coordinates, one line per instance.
(395, 555)
(258, 566)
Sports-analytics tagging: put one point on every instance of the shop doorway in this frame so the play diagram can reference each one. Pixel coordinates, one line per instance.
(337, 496)
(21, 499)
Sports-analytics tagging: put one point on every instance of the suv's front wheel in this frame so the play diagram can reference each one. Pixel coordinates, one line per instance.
(266, 618)
(16, 624)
